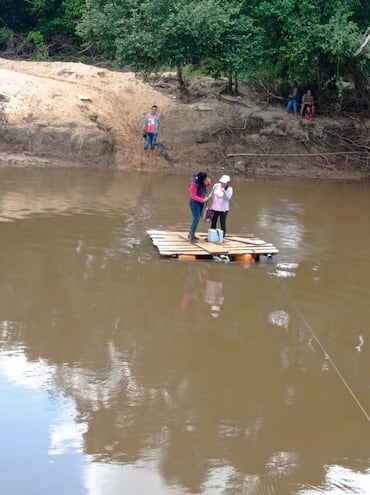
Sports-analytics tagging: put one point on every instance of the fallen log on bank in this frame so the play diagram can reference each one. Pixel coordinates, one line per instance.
(296, 154)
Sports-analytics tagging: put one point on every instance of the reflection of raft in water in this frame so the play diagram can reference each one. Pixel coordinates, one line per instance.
(235, 248)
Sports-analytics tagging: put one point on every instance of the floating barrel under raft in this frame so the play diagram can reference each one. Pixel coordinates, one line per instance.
(186, 257)
(246, 258)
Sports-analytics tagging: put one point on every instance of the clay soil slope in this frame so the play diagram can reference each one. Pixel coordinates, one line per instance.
(68, 114)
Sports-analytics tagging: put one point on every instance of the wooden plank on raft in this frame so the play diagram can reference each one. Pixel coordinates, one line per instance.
(247, 240)
(173, 244)
(199, 244)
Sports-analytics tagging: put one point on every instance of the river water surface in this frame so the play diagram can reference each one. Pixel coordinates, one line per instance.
(125, 373)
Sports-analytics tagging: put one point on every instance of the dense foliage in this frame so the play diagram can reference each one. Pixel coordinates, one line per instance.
(306, 40)
(49, 26)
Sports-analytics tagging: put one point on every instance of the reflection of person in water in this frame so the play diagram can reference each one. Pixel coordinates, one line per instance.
(144, 207)
(194, 281)
(213, 296)
(199, 290)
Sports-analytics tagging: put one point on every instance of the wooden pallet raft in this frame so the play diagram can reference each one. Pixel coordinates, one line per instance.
(176, 244)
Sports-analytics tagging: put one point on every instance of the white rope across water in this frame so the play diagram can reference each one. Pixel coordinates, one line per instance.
(309, 327)
(327, 355)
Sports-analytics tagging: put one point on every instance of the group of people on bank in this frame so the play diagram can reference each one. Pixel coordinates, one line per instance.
(303, 106)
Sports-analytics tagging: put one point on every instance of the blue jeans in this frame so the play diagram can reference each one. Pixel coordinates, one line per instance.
(196, 210)
(293, 104)
(150, 140)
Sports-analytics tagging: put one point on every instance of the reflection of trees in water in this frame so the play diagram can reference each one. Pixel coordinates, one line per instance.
(151, 379)
(29, 192)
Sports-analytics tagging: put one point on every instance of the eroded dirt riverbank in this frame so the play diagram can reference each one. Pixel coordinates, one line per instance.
(68, 114)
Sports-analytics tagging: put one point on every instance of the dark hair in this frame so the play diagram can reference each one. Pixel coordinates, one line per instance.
(201, 176)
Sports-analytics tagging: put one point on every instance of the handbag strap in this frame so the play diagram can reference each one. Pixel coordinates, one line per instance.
(210, 196)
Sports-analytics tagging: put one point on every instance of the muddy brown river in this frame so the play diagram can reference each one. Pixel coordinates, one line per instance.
(124, 372)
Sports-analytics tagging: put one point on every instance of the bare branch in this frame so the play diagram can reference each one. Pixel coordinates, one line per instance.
(364, 44)
(269, 92)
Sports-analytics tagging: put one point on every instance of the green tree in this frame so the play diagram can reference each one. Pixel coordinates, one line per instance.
(308, 40)
(311, 40)
(57, 17)
(151, 34)
(103, 21)
(16, 15)
(237, 49)
(44, 23)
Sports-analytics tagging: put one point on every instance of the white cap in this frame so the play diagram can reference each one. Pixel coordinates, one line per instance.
(224, 179)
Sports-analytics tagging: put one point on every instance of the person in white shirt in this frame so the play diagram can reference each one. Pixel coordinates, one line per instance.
(221, 195)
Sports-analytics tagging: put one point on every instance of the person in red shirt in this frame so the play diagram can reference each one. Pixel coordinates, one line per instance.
(308, 101)
(151, 126)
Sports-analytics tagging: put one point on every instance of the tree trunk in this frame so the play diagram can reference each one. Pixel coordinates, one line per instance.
(236, 86)
(180, 78)
(184, 93)
(230, 85)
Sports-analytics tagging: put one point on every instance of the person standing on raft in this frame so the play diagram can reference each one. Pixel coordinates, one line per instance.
(221, 195)
(198, 196)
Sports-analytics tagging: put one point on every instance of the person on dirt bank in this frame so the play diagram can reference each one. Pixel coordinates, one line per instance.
(151, 126)
(308, 101)
(294, 101)
(198, 196)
